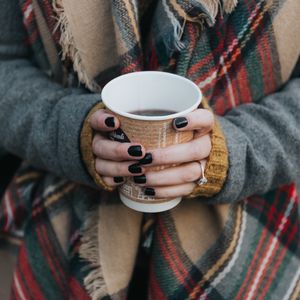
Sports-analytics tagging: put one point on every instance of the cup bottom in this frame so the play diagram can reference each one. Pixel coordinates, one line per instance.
(150, 208)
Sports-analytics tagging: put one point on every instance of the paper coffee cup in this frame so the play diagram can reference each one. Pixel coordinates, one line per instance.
(149, 90)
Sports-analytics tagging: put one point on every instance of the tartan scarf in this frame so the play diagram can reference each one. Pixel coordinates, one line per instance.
(243, 250)
(97, 54)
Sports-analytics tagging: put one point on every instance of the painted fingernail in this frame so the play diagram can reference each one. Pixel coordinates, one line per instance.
(140, 179)
(118, 179)
(146, 160)
(180, 122)
(135, 151)
(134, 169)
(110, 122)
(149, 191)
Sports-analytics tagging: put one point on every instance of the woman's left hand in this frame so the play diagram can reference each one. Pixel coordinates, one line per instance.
(180, 180)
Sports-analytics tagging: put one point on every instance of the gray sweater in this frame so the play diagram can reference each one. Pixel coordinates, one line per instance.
(41, 123)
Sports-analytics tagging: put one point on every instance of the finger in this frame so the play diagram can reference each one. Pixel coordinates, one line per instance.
(114, 181)
(170, 191)
(116, 169)
(103, 121)
(172, 176)
(200, 119)
(111, 150)
(194, 150)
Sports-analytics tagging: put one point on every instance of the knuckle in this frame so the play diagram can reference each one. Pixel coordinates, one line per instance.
(108, 180)
(120, 169)
(210, 118)
(196, 152)
(98, 149)
(95, 144)
(163, 155)
(157, 156)
(99, 123)
(207, 146)
(119, 150)
(95, 120)
(192, 173)
(162, 193)
(98, 166)
(188, 189)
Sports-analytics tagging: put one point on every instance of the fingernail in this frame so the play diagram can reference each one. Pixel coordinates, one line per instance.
(135, 151)
(149, 191)
(180, 122)
(135, 168)
(110, 122)
(146, 160)
(140, 179)
(118, 179)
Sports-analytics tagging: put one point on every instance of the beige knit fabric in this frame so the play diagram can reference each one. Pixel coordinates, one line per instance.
(287, 41)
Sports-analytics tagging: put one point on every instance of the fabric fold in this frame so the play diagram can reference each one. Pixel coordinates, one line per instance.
(110, 244)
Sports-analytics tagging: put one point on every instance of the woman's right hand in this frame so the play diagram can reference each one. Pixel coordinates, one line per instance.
(114, 160)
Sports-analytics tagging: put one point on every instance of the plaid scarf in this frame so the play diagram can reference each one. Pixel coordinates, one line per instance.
(243, 250)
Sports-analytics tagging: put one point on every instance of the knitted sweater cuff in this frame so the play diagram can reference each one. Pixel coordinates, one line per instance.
(216, 166)
(86, 140)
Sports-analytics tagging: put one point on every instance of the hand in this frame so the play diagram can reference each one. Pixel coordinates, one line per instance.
(114, 160)
(180, 181)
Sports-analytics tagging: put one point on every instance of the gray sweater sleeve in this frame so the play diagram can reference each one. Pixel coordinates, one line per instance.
(264, 144)
(40, 120)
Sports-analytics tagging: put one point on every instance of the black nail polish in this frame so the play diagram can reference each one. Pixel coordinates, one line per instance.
(146, 160)
(118, 179)
(135, 151)
(180, 122)
(149, 191)
(110, 122)
(134, 169)
(140, 179)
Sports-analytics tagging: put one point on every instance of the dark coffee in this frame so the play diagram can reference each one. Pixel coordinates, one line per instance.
(153, 112)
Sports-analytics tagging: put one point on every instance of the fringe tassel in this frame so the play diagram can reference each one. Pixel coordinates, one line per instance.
(69, 49)
(67, 41)
(211, 9)
(177, 27)
(94, 281)
(229, 5)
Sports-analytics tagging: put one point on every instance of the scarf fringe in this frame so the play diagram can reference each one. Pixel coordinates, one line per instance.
(68, 44)
(69, 49)
(211, 9)
(229, 5)
(177, 28)
(94, 281)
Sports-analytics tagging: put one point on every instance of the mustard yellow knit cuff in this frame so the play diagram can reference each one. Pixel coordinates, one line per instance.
(217, 164)
(86, 139)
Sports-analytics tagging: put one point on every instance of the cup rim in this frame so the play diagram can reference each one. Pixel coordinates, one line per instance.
(151, 118)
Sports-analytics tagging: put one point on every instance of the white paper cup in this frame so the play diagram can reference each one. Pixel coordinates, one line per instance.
(146, 91)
